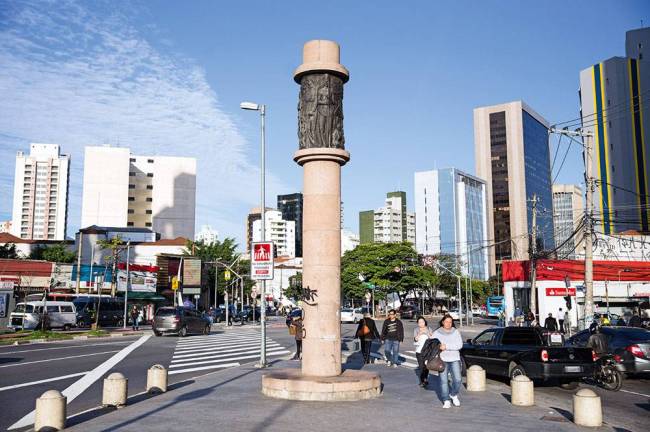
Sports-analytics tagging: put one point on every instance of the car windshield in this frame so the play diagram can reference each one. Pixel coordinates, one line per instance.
(22, 307)
(166, 312)
(346, 310)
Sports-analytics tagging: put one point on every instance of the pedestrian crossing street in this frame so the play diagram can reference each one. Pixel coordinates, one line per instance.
(407, 359)
(219, 351)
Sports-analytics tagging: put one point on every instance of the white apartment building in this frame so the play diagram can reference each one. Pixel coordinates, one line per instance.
(281, 232)
(349, 241)
(41, 193)
(568, 214)
(124, 190)
(392, 223)
(207, 235)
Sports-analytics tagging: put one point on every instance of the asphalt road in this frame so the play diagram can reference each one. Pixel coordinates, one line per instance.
(25, 370)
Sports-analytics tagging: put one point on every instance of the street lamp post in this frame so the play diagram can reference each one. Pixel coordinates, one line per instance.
(262, 109)
(460, 298)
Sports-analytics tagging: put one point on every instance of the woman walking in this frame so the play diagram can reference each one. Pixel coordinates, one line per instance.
(295, 328)
(366, 332)
(135, 318)
(450, 344)
(421, 334)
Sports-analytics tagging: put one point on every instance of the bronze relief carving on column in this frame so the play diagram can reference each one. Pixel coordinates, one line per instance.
(320, 112)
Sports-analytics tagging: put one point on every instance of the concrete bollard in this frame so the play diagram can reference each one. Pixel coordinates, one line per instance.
(475, 378)
(50, 411)
(157, 379)
(587, 410)
(115, 390)
(522, 392)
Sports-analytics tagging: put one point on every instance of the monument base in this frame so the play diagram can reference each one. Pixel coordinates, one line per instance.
(291, 384)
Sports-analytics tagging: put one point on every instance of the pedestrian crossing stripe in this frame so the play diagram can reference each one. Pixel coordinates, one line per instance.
(405, 363)
(219, 351)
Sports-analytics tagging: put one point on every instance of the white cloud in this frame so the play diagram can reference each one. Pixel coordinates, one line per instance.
(76, 77)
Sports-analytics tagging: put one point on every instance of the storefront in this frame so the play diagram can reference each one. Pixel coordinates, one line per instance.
(619, 287)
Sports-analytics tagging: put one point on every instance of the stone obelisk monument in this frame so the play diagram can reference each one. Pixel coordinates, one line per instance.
(321, 154)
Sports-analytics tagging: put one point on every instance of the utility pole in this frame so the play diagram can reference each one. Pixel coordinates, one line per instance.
(588, 144)
(533, 259)
(79, 262)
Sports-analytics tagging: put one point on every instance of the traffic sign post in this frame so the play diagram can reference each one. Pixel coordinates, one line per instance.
(262, 270)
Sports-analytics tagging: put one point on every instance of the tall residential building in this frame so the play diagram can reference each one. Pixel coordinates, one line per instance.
(614, 108)
(207, 235)
(568, 213)
(291, 208)
(450, 218)
(512, 155)
(278, 230)
(40, 208)
(388, 224)
(253, 216)
(125, 190)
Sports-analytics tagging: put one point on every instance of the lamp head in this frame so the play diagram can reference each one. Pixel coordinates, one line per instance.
(249, 106)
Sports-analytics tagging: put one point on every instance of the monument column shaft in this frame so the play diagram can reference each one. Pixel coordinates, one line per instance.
(321, 262)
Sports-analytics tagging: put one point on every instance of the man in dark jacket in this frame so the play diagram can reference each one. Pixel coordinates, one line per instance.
(392, 333)
(635, 321)
(550, 323)
(366, 332)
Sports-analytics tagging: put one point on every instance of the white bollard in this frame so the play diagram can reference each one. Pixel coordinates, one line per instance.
(587, 410)
(475, 378)
(115, 390)
(157, 379)
(50, 411)
(522, 392)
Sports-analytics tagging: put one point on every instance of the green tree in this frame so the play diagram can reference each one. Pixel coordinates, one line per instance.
(8, 251)
(116, 246)
(56, 253)
(293, 291)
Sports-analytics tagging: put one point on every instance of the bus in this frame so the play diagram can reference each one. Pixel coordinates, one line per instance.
(494, 306)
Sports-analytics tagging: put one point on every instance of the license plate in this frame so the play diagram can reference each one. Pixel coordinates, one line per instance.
(572, 368)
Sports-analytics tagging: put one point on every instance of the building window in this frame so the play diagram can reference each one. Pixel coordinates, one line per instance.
(149, 160)
(149, 174)
(132, 160)
(149, 199)
(131, 211)
(148, 211)
(131, 198)
(131, 174)
(131, 186)
(147, 224)
(129, 224)
(150, 187)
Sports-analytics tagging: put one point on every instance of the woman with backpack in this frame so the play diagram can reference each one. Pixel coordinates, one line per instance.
(366, 332)
(295, 329)
(421, 334)
(450, 344)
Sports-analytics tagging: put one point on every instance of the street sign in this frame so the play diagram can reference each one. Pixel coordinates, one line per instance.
(226, 275)
(262, 261)
(175, 283)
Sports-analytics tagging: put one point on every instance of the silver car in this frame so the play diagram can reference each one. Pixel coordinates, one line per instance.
(181, 321)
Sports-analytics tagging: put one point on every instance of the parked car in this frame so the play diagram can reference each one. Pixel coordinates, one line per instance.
(179, 320)
(111, 311)
(455, 315)
(249, 314)
(28, 316)
(409, 312)
(529, 351)
(629, 345)
(349, 315)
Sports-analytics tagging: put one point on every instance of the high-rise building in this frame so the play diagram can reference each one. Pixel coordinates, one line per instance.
(207, 235)
(253, 216)
(281, 232)
(40, 208)
(450, 218)
(125, 190)
(568, 214)
(291, 208)
(613, 102)
(512, 155)
(388, 224)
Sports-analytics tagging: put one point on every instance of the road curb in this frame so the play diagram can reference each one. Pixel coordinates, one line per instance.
(82, 337)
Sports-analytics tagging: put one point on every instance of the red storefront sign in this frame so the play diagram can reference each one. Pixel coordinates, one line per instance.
(555, 292)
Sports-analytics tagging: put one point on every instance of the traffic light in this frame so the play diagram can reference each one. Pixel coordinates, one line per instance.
(567, 299)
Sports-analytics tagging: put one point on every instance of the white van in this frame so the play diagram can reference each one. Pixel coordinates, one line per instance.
(27, 316)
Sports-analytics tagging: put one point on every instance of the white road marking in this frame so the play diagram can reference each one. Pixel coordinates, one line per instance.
(64, 347)
(58, 358)
(635, 393)
(220, 357)
(252, 356)
(81, 385)
(217, 340)
(217, 350)
(203, 368)
(31, 383)
(212, 347)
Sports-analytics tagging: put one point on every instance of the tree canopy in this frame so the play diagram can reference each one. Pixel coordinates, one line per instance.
(8, 251)
(56, 253)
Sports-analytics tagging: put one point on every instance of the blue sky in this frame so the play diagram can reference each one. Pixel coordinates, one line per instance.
(166, 77)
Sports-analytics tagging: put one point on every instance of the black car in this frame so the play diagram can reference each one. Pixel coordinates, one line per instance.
(110, 310)
(409, 312)
(629, 345)
(529, 351)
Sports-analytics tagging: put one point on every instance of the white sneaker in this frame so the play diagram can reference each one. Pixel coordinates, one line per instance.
(446, 404)
(389, 364)
(455, 400)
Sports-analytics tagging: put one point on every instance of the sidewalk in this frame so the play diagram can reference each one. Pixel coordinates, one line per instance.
(231, 400)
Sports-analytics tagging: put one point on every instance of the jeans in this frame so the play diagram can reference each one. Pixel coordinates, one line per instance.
(453, 369)
(391, 349)
(365, 349)
(298, 349)
(424, 372)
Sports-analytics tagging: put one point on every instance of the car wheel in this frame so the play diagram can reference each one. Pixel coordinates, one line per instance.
(66, 327)
(182, 332)
(206, 330)
(516, 370)
(157, 333)
(120, 323)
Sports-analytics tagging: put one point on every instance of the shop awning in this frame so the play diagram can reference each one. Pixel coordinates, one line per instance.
(149, 296)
